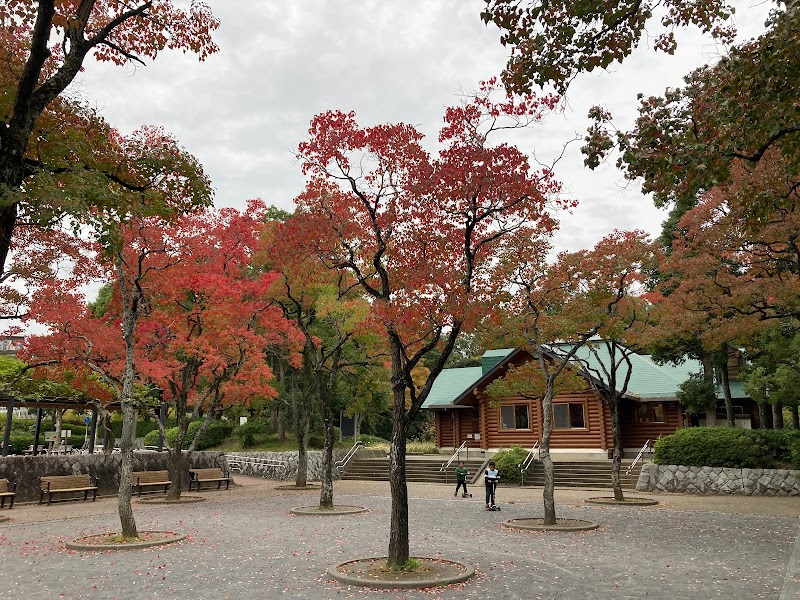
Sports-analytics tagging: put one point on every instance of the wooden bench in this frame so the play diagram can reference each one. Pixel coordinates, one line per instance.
(9, 490)
(157, 479)
(198, 476)
(58, 484)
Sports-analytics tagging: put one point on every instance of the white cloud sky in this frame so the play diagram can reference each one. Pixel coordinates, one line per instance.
(244, 110)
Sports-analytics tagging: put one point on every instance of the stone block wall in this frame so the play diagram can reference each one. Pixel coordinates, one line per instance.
(289, 473)
(26, 471)
(719, 480)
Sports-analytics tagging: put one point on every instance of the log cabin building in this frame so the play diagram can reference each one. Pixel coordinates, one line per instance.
(464, 411)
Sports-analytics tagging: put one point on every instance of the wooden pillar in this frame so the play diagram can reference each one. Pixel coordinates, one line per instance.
(36, 430)
(93, 430)
(483, 405)
(7, 434)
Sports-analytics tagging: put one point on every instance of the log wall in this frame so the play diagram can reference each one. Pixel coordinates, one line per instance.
(635, 433)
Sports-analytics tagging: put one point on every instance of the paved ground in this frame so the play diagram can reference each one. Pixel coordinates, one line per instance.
(244, 544)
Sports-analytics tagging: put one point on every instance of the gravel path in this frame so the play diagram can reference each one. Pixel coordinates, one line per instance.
(245, 544)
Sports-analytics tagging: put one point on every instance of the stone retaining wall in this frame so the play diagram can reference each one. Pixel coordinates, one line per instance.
(719, 480)
(289, 473)
(26, 471)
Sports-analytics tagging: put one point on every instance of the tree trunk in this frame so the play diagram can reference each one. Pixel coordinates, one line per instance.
(130, 305)
(58, 415)
(548, 491)
(763, 416)
(8, 221)
(398, 534)
(108, 439)
(326, 494)
(302, 421)
(126, 517)
(177, 460)
(273, 420)
(795, 417)
(777, 415)
(281, 425)
(726, 392)
(708, 375)
(616, 457)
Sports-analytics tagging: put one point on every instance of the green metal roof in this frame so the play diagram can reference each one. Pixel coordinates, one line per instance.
(450, 384)
(649, 381)
(491, 358)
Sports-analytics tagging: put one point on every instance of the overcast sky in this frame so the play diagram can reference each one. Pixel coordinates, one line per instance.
(244, 110)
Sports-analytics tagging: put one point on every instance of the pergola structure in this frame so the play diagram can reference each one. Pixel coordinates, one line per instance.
(51, 403)
(40, 404)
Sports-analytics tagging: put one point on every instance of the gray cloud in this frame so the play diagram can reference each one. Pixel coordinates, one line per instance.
(243, 111)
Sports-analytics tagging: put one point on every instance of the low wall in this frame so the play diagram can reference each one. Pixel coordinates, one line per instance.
(719, 480)
(289, 473)
(26, 471)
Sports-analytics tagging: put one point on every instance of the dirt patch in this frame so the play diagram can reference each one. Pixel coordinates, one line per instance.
(339, 509)
(537, 524)
(374, 573)
(115, 541)
(611, 501)
(165, 500)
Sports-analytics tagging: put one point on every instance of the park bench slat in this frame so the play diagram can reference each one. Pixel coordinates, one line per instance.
(198, 476)
(53, 484)
(9, 490)
(143, 479)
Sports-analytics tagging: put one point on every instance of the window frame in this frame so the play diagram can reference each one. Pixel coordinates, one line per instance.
(514, 405)
(582, 404)
(651, 412)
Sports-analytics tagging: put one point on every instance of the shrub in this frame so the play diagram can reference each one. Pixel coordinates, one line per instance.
(215, 434)
(716, 447)
(20, 441)
(145, 427)
(316, 440)
(151, 438)
(777, 442)
(796, 452)
(247, 432)
(507, 463)
(23, 425)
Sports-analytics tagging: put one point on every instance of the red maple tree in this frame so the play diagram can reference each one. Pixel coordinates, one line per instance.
(420, 234)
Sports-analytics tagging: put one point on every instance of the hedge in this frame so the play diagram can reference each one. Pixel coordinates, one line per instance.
(217, 431)
(729, 447)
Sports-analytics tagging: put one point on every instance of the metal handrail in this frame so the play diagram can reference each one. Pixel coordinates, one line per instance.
(464, 446)
(645, 448)
(341, 464)
(523, 466)
(236, 461)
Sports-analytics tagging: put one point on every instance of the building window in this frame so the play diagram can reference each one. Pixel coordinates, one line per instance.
(650, 413)
(514, 417)
(569, 415)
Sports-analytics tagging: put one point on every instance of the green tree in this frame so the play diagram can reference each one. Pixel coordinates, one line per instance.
(44, 46)
(552, 41)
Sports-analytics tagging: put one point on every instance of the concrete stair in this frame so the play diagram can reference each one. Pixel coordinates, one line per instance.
(573, 474)
(586, 474)
(418, 469)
